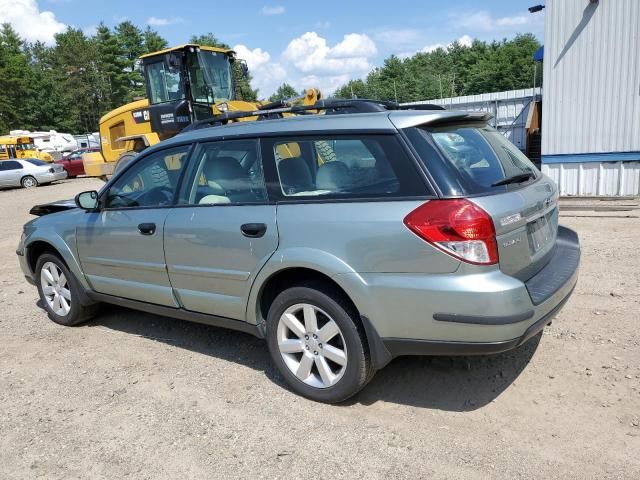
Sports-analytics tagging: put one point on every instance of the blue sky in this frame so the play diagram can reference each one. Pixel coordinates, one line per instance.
(319, 44)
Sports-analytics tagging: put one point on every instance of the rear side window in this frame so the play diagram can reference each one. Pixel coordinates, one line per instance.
(470, 158)
(366, 166)
(37, 163)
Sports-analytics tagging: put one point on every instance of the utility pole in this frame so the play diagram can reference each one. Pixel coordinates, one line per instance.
(395, 90)
(440, 80)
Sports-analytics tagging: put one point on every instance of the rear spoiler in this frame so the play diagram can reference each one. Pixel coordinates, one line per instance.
(438, 118)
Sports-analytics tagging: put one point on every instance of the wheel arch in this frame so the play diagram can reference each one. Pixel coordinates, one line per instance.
(289, 276)
(36, 246)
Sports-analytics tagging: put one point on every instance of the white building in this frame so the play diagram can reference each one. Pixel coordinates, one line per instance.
(591, 108)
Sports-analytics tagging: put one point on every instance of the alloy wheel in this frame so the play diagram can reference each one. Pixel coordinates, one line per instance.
(55, 289)
(29, 182)
(312, 345)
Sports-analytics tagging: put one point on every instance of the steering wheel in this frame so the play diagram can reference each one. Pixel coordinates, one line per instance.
(162, 195)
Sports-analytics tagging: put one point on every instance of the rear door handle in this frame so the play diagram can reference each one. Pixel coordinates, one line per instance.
(147, 228)
(253, 230)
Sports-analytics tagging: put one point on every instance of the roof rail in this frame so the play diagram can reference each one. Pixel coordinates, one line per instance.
(330, 107)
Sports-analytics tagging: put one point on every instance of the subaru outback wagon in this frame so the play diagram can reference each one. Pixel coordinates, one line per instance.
(343, 240)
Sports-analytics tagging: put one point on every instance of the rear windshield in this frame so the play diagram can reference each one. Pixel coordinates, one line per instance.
(469, 159)
(33, 161)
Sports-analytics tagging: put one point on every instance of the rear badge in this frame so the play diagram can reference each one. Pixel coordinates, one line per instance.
(516, 217)
(511, 242)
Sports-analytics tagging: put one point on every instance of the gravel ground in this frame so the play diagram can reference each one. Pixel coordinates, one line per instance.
(140, 396)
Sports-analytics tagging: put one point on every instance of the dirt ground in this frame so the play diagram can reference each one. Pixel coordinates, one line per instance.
(133, 395)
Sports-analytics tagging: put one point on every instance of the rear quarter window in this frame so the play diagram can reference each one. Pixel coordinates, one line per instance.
(469, 159)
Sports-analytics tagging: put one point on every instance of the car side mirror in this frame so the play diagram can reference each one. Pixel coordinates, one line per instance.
(87, 200)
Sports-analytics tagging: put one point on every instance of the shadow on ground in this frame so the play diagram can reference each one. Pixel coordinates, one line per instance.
(443, 383)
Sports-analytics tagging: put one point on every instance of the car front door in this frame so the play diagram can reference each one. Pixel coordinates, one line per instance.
(121, 246)
(11, 173)
(223, 233)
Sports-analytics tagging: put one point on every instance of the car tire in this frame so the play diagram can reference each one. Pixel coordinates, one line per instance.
(330, 372)
(60, 295)
(28, 182)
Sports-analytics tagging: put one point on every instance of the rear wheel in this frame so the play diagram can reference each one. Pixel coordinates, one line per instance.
(59, 292)
(29, 182)
(318, 344)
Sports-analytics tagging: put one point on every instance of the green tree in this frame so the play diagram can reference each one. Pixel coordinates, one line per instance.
(455, 70)
(14, 76)
(153, 42)
(75, 69)
(131, 41)
(284, 92)
(44, 106)
(241, 80)
(112, 64)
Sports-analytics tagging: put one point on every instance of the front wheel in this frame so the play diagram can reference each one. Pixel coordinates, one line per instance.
(317, 342)
(29, 182)
(59, 292)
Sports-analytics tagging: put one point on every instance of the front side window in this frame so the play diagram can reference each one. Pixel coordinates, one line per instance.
(226, 172)
(150, 182)
(345, 167)
(13, 165)
(26, 146)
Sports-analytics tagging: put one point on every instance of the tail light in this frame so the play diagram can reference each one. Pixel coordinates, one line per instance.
(457, 227)
(51, 170)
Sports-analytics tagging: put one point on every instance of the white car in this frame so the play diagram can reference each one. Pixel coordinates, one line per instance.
(29, 173)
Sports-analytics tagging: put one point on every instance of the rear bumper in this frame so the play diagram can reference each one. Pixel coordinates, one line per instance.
(403, 346)
(51, 177)
(469, 313)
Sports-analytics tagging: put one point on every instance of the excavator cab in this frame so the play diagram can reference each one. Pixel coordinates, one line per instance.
(184, 84)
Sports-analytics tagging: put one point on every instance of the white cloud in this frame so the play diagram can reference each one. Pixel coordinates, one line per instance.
(276, 10)
(483, 21)
(163, 22)
(309, 61)
(31, 23)
(405, 37)
(464, 40)
(513, 21)
(310, 53)
(267, 75)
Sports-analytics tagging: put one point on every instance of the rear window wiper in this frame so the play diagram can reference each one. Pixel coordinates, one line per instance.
(519, 178)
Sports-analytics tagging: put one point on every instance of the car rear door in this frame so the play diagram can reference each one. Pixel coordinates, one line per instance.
(121, 246)
(224, 230)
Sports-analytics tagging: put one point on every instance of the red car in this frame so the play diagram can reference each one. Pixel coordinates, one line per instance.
(72, 162)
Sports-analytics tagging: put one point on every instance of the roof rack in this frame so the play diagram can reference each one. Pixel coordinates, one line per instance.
(330, 107)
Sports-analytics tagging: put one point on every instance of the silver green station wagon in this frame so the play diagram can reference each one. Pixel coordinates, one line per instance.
(342, 239)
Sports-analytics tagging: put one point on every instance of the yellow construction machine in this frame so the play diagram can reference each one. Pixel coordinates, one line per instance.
(184, 84)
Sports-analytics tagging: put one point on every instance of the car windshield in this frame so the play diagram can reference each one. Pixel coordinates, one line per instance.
(37, 163)
(477, 157)
(210, 74)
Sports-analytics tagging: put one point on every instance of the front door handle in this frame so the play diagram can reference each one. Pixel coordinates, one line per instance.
(147, 228)
(253, 230)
